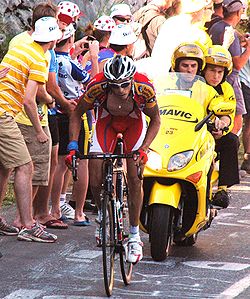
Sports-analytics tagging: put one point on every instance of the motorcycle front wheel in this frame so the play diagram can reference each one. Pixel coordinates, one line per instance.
(160, 231)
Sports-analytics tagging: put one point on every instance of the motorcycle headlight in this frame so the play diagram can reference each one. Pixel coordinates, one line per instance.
(154, 161)
(180, 160)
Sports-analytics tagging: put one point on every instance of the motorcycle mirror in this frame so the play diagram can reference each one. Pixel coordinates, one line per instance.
(202, 123)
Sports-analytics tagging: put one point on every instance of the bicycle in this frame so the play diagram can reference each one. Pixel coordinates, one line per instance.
(114, 227)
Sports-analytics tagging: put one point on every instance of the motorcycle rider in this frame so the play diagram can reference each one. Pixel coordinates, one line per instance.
(218, 66)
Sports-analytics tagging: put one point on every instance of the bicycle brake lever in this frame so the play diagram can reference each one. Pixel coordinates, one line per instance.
(74, 168)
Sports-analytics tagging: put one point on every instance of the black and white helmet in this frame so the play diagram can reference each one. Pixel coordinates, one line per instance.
(119, 67)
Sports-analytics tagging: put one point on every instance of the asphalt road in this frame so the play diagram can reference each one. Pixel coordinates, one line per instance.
(218, 266)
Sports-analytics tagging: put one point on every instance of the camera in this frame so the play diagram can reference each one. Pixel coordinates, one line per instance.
(89, 38)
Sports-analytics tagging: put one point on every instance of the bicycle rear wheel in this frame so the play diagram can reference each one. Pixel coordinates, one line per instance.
(108, 243)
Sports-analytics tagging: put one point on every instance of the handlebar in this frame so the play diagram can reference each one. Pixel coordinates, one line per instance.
(104, 156)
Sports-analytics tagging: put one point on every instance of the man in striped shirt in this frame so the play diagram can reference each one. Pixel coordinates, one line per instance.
(27, 70)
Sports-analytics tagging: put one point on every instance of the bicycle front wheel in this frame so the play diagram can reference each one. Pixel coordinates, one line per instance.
(126, 268)
(108, 243)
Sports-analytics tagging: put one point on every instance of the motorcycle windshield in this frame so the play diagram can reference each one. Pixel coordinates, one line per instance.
(182, 101)
(184, 85)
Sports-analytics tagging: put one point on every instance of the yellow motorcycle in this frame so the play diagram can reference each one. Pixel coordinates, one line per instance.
(177, 176)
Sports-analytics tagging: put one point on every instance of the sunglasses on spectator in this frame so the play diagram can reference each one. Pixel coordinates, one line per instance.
(121, 85)
(123, 19)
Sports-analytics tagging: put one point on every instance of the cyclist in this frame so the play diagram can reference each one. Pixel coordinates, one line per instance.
(218, 66)
(122, 97)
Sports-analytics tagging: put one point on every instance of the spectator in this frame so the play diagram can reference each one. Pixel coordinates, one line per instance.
(101, 31)
(217, 15)
(121, 13)
(175, 30)
(218, 66)
(232, 11)
(244, 75)
(41, 200)
(151, 17)
(14, 153)
(70, 79)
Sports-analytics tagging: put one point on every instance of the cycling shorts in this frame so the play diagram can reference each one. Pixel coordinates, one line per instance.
(133, 128)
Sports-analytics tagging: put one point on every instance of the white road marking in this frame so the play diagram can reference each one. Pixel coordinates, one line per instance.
(232, 224)
(217, 265)
(246, 207)
(236, 289)
(24, 294)
(240, 187)
(85, 255)
(244, 221)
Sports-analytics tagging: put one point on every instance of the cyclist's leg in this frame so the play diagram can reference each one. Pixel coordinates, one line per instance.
(135, 197)
(102, 141)
(135, 193)
(133, 139)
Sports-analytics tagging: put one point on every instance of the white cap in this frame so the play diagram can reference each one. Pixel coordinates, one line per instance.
(105, 23)
(123, 35)
(46, 30)
(120, 10)
(190, 6)
(69, 31)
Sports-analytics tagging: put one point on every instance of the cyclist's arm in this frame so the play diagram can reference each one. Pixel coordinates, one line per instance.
(75, 118)
(153, 128)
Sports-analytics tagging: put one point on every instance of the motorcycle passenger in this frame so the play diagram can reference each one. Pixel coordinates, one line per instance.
(121, 96)
(218, 66)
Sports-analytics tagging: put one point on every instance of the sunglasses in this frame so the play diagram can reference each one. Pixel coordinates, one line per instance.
(123, 19)
(121, 85)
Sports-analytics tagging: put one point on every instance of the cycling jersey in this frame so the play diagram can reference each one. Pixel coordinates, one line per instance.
(133, 125)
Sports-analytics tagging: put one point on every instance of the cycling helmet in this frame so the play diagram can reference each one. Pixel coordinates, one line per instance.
(218, 55)
(192, 50)
(104, 23)
(119, 68)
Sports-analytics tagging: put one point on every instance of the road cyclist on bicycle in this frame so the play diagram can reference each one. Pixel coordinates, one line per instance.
(121, 98)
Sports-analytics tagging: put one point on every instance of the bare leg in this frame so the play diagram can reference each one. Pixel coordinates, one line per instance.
(95, 178)
(66, 181)
(41, 202)
(23, 193)
(4, 176)
(238, 120)
(80, 189)
(135, 193)
(246, 134)
(57, 187)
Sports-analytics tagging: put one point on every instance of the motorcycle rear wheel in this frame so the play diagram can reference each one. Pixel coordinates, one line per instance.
(160, 231)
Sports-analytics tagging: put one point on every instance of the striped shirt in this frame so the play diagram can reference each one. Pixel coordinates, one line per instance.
(26, 62)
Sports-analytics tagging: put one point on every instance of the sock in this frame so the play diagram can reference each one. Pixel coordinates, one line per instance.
(99, 216)
(62, 198)
(134, 231)
(220, 188)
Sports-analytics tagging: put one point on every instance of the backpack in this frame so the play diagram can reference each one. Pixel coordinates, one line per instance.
(142, 48)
